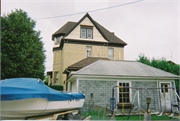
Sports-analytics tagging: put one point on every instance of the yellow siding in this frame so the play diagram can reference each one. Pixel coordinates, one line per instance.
(75, 34)
(73, 53)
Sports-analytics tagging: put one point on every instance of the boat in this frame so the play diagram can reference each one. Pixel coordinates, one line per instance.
(28, 97)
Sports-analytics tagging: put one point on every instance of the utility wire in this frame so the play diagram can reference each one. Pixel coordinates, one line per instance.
(90, 11)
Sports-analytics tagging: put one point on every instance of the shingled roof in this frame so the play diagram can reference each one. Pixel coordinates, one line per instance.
(70, 26)
(64, 29)
(123, 69)
(83, 63)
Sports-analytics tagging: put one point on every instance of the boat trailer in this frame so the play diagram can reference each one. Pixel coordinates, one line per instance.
(66, 115)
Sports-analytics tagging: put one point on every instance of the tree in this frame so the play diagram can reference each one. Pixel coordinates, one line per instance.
(22, 53)
(162, 64)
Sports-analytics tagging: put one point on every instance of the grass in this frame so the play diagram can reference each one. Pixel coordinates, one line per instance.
(99, 115)
(153, 117)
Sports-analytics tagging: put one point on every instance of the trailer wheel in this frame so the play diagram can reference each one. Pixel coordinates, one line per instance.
(59, 117)
(68, 116)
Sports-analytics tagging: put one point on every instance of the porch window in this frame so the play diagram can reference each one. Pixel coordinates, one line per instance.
(124, 95)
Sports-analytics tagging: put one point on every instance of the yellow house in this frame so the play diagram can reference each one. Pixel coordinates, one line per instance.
(77, 40)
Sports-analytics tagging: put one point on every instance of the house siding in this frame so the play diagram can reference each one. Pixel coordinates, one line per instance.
(154, 94)
(102, 93)
(75, 34)
(72, 53)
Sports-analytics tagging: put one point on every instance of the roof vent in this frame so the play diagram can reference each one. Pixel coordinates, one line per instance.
(112, 32)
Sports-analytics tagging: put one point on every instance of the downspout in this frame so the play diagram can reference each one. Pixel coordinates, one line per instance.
(67, 77)
(158, 94)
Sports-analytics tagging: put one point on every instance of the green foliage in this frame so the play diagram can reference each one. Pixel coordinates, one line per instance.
(46, 80)
(57, 87)
(162, 64)
(22, 53)
(153, 117)
(144, 59)
(96, 115)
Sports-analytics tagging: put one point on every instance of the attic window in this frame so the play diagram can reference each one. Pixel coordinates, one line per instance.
(86, 32)
(57, 40)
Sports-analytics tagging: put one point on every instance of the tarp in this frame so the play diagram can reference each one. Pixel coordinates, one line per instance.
(25, 88)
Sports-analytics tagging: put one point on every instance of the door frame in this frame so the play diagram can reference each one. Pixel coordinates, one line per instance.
(161, 93)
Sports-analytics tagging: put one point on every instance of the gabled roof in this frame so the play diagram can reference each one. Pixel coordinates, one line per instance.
(70, 26)
(123, 69)
(83, 63)
(64, 29)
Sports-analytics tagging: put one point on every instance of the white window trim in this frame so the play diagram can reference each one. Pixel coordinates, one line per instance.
(119, 55)
(112, 53)
(90, 50)
(89, 33)
(83, 32)
(169, 82)
(86, 33)
(56, 73)
(130, 90)
(77, 85)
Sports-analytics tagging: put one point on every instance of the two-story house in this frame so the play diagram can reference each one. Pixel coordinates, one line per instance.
(77, 40)
(93, 60)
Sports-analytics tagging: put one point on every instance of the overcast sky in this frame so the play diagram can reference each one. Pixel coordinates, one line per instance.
(147, 26)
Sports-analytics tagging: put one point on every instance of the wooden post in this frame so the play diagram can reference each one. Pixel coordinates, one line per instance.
(139, 106)
(147, 117)
(105, 110)
(98, 110)
(91, 106)
(114, 114)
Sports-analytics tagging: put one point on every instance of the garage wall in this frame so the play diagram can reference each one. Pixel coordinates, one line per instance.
(101, 90)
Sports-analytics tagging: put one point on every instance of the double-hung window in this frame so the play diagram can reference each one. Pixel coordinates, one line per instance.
(56, 77)
(88, 51)
(124, 93)
(110, 53)
(86, 32)
(164, 88)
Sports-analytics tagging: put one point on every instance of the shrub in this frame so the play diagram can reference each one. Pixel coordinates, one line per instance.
(46, 80)
(57, 87)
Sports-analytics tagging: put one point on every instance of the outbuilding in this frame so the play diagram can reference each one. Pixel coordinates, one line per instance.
(98, 79)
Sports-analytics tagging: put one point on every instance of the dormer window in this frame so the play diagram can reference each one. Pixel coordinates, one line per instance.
(57, 40)
(87, 32)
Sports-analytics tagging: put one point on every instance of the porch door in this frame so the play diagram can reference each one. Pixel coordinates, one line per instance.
(165, 97)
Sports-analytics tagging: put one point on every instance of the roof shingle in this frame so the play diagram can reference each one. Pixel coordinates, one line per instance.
(70, 26)
(123, 69)
(83, 63)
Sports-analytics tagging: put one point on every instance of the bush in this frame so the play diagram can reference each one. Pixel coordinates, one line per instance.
(57, 87)
(46, 80)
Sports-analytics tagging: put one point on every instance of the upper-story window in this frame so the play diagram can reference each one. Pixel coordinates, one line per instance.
(88, 51)
(110, 53)
(56, 77)
(86, 32)
(57, 40)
